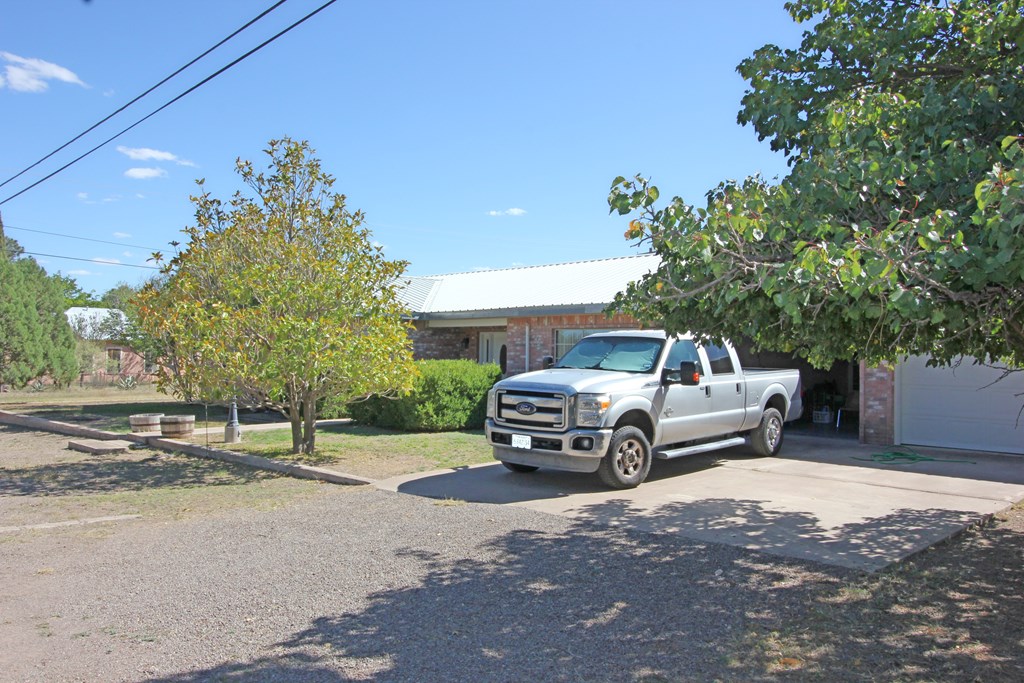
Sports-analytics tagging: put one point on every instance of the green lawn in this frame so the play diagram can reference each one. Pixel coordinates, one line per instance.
(372, 452)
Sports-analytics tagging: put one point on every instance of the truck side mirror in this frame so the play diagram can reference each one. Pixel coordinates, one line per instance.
(547, 362)
(689, 373)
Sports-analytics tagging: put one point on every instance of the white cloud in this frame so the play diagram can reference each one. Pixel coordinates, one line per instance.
(145, 173)
(126, 254)
(83, 196)
(103, 259)
(32, 75)
(508, 212)
(79, 272)
(122, 235)
(147, 154)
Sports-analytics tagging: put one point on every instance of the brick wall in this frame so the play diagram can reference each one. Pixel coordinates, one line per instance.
(444, 343)
(877, 405)
(542, 335)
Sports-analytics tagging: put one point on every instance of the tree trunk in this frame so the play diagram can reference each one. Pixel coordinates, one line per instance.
(309, 424)
(295, 417)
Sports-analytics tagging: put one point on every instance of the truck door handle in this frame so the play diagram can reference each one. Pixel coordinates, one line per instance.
(739, 389)
(707, 391)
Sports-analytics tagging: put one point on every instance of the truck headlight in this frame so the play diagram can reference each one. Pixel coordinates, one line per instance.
(590, 409)
(492, 403)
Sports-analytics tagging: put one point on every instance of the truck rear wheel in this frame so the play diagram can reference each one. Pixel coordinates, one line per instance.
(516, 467)
(628, 460)
(766, 438)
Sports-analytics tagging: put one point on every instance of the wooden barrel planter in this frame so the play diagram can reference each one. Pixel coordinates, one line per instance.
(145, 422)
(177, 426)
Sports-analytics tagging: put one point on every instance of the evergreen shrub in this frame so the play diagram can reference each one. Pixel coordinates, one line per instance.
(447, 395)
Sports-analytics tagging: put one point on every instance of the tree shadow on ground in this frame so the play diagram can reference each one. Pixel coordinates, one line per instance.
(594, 603)
(869, 544)
(111, 474)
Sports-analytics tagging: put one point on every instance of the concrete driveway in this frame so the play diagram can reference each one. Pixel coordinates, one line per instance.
(829, 500)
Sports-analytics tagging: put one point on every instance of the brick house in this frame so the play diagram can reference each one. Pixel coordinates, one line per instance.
(516, 317)
(103, 360)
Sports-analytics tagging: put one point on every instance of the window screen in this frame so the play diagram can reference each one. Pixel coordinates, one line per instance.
(113, 361)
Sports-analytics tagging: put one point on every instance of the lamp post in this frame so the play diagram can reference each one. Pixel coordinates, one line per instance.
(232, 430)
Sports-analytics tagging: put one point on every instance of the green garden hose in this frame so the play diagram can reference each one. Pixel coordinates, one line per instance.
(906, 455)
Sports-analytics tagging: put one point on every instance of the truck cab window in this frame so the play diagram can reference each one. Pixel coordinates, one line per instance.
(718, 358)
(684, 349)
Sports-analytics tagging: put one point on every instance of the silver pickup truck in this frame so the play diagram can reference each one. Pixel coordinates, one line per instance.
(618, 399)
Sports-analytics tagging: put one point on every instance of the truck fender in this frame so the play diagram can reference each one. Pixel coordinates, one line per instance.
(630, 404)
(775, 396)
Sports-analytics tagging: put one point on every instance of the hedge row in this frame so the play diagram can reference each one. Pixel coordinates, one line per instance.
(447, 395)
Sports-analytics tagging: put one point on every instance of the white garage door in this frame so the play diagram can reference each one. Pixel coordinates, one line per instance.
(957, 407)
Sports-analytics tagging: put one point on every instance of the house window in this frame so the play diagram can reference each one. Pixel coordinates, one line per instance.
(566, 339)
(114, 361)
(150, 365)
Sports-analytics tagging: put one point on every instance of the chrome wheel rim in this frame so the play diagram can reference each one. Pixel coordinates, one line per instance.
(630, 457)
(773, 433)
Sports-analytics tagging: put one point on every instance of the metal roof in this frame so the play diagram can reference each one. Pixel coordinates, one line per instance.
(578, 287)
(87, 321)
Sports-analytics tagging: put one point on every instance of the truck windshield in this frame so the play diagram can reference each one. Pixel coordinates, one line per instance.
(619, 354)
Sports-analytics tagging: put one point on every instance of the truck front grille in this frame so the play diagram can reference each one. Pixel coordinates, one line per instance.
(532, 410)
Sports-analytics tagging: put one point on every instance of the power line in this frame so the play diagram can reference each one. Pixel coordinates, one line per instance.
(139, 97)
(169, 103)
(84, 239)
(90, 260)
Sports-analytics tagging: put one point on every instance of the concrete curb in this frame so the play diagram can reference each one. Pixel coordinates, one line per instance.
(259, 462)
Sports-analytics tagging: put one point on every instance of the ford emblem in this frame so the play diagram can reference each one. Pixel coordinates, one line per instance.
(526, 408)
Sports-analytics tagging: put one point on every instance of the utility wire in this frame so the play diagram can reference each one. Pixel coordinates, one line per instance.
(90, 260)
(136, 99)
(84, 239)
(172, 101)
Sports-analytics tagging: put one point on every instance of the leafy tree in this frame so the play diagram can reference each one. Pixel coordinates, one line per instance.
(119, 296)
(899, 227)
(35, 337)
(73, 294)
(281, 299)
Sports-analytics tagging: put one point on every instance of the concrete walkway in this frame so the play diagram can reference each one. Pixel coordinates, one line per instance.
(826, 500)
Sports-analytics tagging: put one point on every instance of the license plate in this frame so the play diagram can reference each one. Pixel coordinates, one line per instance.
(521, 441)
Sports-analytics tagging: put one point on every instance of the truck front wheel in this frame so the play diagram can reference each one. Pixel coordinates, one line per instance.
(628, 460)
(766, 438)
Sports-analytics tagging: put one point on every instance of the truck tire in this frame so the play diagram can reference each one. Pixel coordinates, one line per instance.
(766, 438)
(516, 467)
(628, 460)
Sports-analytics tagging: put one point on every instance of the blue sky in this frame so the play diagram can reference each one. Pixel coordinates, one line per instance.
(473, 134)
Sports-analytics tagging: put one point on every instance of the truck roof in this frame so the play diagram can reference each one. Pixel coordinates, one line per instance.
(653, 334)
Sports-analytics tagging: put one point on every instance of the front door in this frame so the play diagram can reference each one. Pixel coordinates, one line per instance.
(491, 348)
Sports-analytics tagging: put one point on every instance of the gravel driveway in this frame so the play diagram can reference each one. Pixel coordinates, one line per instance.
(361, 584)
(357, 584)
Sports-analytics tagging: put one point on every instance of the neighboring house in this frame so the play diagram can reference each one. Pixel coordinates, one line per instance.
(103, 360)
(518, 316)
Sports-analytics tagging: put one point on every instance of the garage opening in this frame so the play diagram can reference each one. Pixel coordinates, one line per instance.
(831, 397)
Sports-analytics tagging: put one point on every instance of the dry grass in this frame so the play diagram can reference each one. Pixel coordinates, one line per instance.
(371, 452)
